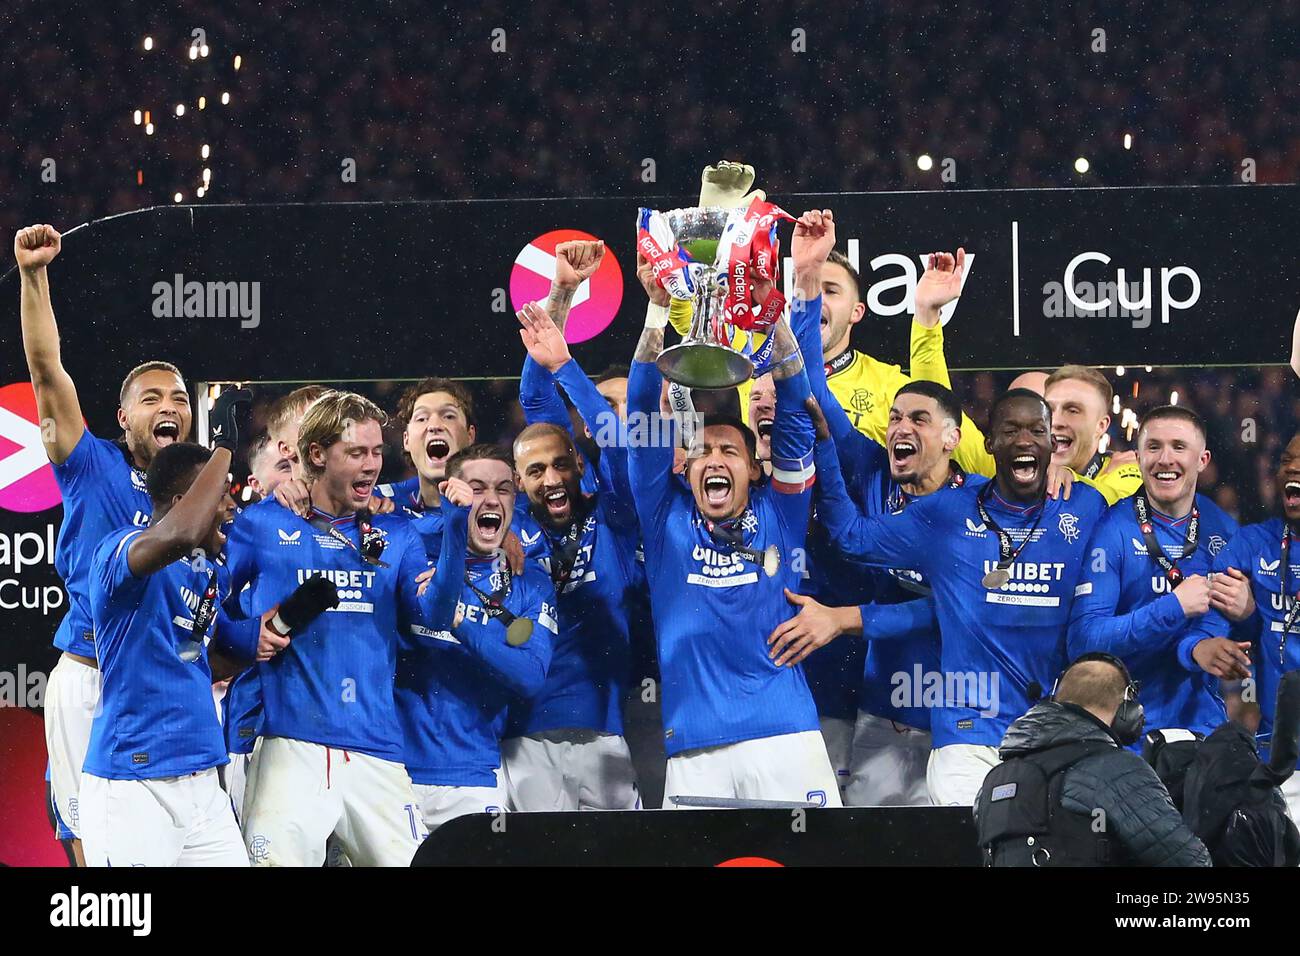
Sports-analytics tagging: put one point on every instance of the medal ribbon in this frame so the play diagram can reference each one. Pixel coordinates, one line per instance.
(1006, 554)
(1294, 611)
(1142, 512)
(372, 541)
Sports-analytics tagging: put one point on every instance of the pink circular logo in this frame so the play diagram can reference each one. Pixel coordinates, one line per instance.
(26, 475)
(594, 304)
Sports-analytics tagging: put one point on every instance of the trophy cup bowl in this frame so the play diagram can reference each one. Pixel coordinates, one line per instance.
(704, 357)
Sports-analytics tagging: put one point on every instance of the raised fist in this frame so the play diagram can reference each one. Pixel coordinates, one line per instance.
(645, 274)
(36, 246)
(814, 238)
(458, 492)
(577, 260)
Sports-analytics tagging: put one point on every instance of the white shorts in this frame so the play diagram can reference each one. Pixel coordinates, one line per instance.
(298, 793)
(234, 777)
(956, 772)
(1291, 791)
(439, 804)
(837, 734)
(71, 702)
(789, 767)
(888, 764)
(569, 770)
(171, 821)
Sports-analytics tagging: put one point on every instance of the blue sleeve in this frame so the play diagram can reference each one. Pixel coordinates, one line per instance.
(610, 434)
(1094, 625)
(1212, 623)
(858, 454)
(650, 463)
(241, 552)
(90, 457)
(438, 604)
(523, 668)
(114, 571)
(792, 458)
(904, 621)
(237, 638)
(901, 540)
(540, 401)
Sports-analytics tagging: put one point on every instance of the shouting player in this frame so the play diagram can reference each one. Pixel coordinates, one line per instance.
(330, 758)
(1002, 559)
(718, 562)
(1080, 399)
(103, 487)
(454, 685)
(565, 748)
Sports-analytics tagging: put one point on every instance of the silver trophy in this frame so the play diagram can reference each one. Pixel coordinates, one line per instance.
(704, 358)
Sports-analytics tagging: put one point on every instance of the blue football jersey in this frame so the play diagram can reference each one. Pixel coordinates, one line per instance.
(454, 686)
(998, 644)
(333, 684)
(157, 717)
(1125, 605)
(1256, 551)
(102, 491)
(714, 607)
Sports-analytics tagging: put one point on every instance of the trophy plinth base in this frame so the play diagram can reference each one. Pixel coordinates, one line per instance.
(702, 365)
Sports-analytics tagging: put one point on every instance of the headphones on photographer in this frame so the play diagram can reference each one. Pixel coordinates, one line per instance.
(1129, 718)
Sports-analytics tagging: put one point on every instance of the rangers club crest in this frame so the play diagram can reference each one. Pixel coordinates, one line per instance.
(1069, 528)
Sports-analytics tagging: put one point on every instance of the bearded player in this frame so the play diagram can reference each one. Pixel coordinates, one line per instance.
(565, 748)
(735, 725)
(103, 487)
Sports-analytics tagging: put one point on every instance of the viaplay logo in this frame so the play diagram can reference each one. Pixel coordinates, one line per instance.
(26, 476)
(594, 304)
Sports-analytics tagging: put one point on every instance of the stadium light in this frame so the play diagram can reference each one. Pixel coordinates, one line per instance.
(225, 99)
(203, 102)
(138, 117)
(180, 109)
(203, 153)
(178, 197)
(239, 61)
(924, 163)
(194, 53)
(1119, 369)
(148, 44)
(1128, 140)
(1081, 165)
(1173, 398)
(148, 129)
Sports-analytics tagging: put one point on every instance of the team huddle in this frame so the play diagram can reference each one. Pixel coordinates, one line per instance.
(852, 591)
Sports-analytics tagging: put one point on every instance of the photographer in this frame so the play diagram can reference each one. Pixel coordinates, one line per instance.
(1070, 794)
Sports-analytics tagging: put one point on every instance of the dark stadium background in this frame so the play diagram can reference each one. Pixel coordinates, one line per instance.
(582, 96)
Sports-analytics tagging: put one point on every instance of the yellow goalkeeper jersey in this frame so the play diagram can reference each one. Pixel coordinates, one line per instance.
(865, 387)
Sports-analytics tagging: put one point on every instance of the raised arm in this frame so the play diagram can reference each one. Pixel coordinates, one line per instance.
(56, 396)
(900, 540)
(188, 523)
(438, 601)
(939, 285)
(650, 463)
